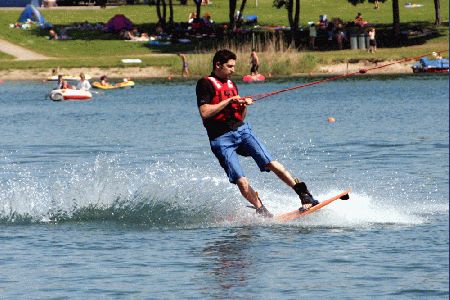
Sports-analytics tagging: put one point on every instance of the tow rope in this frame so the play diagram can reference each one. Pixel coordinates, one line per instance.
(258, 97)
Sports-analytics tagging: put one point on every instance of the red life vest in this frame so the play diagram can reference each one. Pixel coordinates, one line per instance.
(224, 91)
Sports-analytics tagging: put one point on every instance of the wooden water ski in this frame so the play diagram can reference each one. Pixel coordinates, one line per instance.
(297, 214)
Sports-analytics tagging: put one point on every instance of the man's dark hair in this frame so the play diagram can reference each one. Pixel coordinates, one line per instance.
(223, 56)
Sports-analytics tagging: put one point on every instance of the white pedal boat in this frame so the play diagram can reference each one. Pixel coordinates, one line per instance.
(69, 94)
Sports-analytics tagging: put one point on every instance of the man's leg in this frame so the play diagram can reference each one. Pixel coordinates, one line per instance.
(249, 193)
(298, 186)
(225, 150)
(281, 172)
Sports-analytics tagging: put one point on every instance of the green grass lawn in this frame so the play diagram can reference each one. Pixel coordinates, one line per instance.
(4, 56)
(105, 50)
(267, 14)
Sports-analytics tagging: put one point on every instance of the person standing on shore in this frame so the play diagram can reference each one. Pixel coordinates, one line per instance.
(185, 65)
(377, 4)
(340, 36)
(372, 41)
(223, 112)
(312, 36)
(254, 62)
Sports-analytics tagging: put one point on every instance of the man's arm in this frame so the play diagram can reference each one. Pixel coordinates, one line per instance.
(205, 92)
(210, 110)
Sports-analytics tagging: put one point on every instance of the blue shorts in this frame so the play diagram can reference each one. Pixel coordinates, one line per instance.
(240, 141)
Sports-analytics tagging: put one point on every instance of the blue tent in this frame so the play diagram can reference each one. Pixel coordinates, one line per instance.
(31, 12)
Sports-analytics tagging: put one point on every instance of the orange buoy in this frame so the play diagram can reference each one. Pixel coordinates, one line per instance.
(331, 120)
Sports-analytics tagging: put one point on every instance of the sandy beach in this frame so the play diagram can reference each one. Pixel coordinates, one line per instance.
(161, 72)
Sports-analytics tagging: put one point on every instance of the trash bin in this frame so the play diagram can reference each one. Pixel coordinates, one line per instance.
(362, 41)
(367, 42)
(353, 41)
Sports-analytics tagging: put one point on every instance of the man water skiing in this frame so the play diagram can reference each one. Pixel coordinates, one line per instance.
(223, 112)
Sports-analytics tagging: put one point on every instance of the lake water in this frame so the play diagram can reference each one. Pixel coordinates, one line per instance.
(120, 196)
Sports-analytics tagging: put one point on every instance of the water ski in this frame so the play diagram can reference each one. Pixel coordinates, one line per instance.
(297, 214)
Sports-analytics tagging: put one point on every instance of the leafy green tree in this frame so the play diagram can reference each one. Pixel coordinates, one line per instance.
(437, 12)
(232, 11)
(293, 10)
(396, 19)
(161, 12)
(198, 5)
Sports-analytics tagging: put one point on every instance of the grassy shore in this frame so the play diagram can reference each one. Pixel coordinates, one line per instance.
(106, 51)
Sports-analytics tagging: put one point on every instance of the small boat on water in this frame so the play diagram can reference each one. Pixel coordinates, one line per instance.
(124, 84)
(69, 94)
(254, 78)
(425, 65)
(67, 77)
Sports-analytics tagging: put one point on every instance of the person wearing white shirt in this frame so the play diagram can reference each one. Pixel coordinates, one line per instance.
(83, 84)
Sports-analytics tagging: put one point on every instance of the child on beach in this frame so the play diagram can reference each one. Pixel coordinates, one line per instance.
(372, 41)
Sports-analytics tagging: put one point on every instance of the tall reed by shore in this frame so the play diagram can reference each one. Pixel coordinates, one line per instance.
(280, 63)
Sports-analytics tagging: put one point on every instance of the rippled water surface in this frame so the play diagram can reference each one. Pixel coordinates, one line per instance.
(120, 197)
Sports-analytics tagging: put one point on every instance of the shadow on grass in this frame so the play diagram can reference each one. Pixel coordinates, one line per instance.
(411, 34)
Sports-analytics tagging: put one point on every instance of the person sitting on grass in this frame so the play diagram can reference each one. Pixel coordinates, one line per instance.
(360, 21)
(207, 19)
(192, 17)
(63, 34)
(53, 35)
(138, 36)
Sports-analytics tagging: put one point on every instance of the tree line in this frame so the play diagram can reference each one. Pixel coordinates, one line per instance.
(292, 8)
(165, 11)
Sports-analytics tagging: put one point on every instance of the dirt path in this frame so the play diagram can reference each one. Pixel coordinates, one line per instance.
(20, 53)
